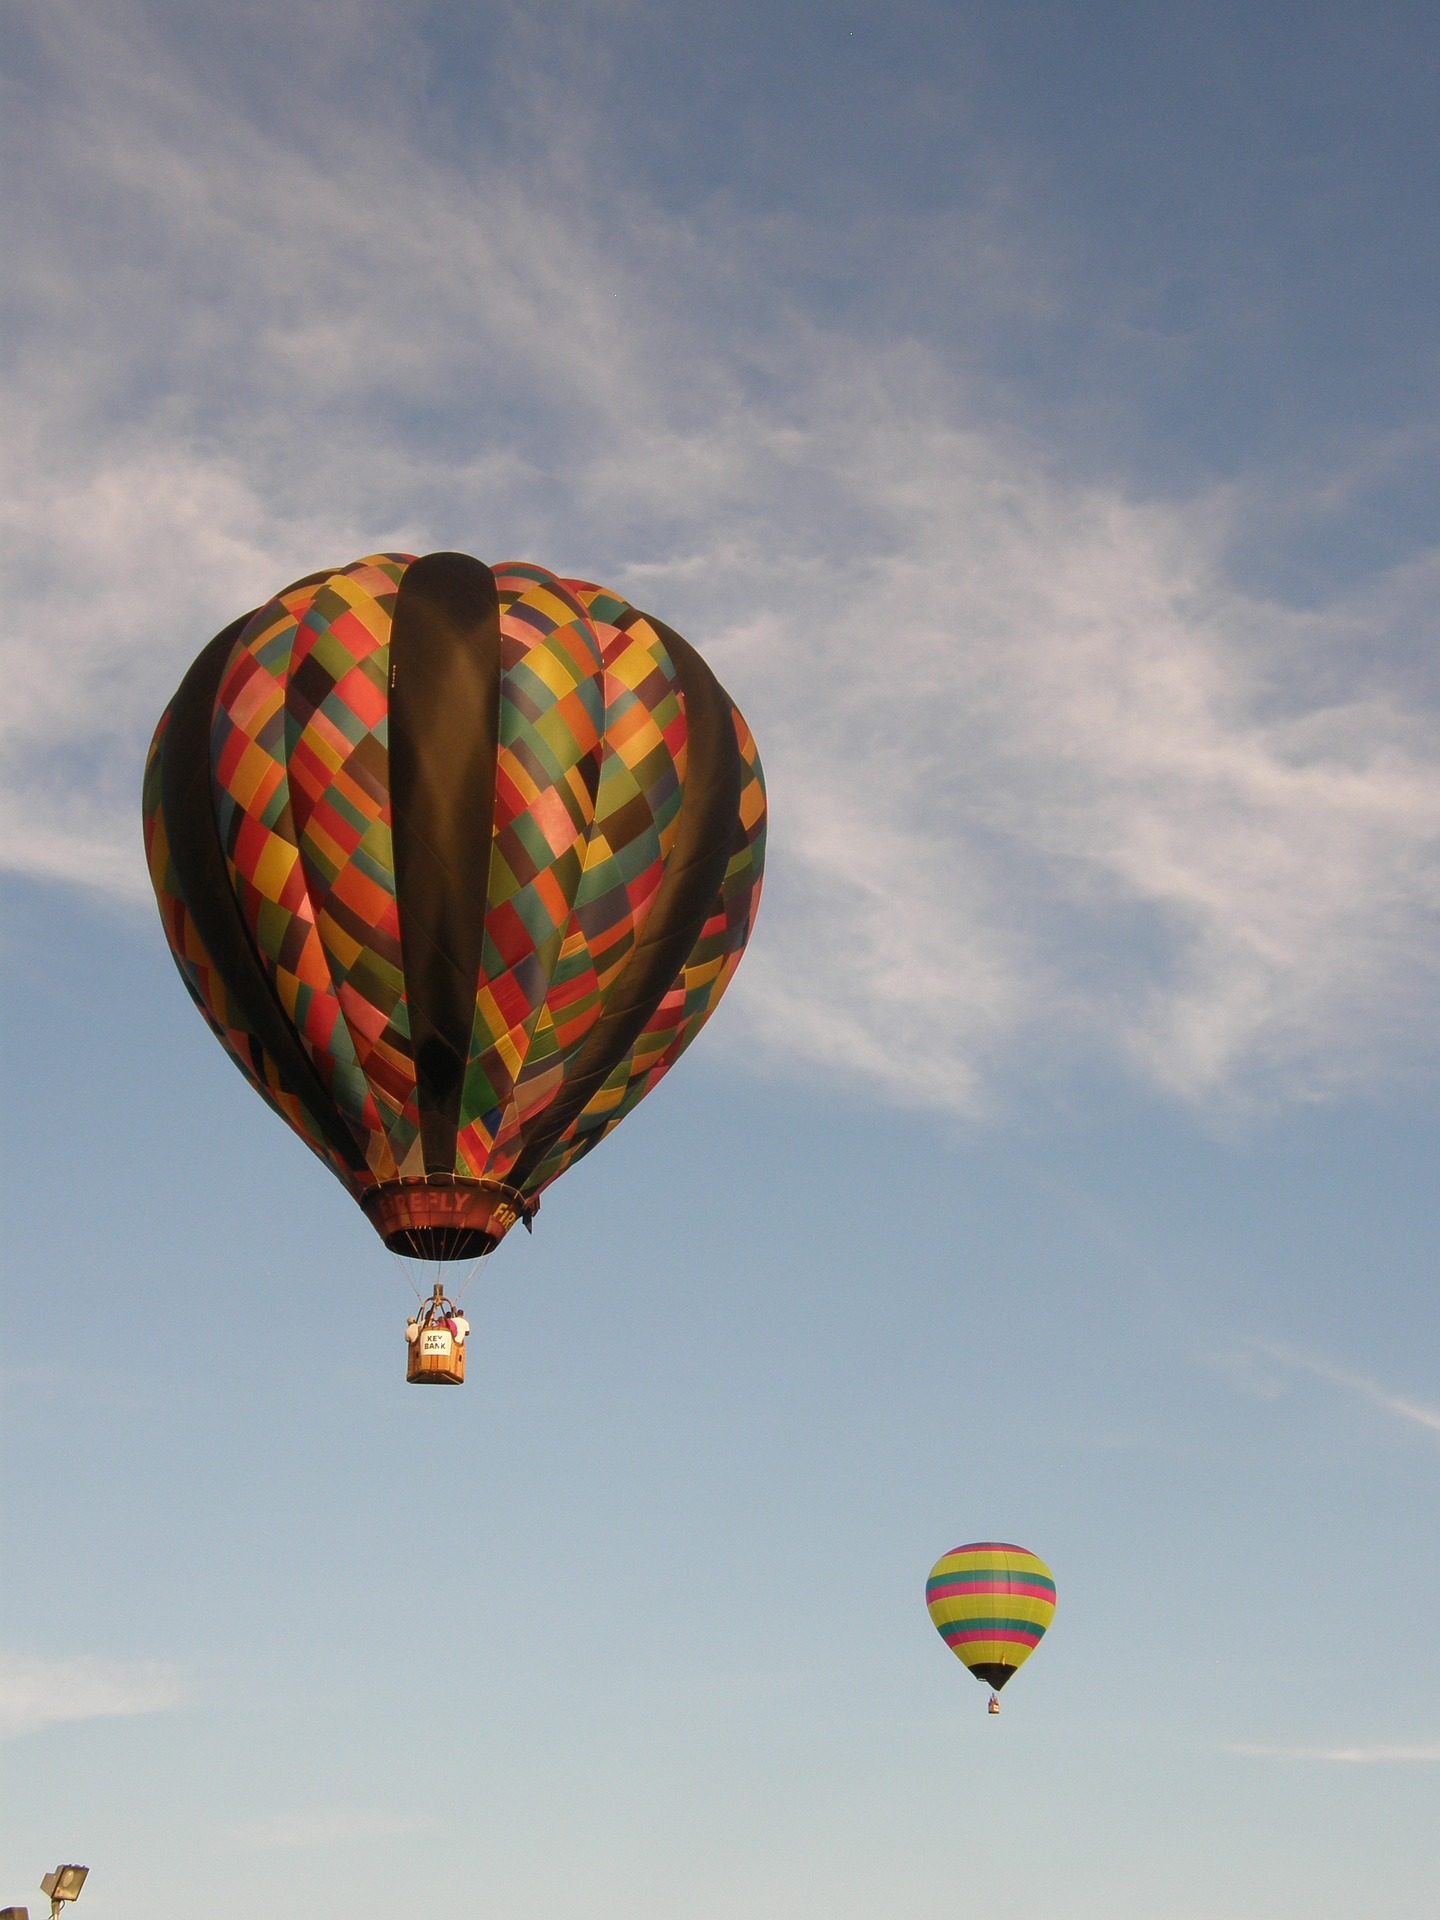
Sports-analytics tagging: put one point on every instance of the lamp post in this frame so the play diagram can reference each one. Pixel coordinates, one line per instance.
(62, 1885)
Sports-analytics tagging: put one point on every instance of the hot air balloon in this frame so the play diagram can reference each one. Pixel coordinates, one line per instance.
(991, 1604)
(456, 864)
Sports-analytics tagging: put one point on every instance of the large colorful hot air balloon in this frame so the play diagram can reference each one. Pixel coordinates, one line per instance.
(991, 1603)
(455, 864)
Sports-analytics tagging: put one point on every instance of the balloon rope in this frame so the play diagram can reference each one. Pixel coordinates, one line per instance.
(465, 1283)
(403, 1265)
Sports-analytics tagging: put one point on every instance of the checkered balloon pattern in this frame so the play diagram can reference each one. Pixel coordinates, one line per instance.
(453, 957)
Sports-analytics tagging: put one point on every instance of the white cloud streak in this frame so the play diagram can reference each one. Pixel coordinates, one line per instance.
(38, 1691)
(1046, 782)
(1410, 1412)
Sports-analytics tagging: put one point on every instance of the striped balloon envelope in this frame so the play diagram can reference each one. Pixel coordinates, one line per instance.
(991, 1603)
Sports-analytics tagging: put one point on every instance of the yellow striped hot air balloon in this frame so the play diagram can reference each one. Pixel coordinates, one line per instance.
(991, 1603)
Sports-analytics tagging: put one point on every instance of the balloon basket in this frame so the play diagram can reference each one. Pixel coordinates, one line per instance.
(436, 1361)
(435, 1351)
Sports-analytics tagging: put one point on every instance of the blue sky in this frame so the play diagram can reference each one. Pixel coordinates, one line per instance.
(1031, 413)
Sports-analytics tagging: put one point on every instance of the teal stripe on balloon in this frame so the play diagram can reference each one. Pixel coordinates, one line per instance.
(981, 1624)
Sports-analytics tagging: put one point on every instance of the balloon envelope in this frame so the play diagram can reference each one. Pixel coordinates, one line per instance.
(991, 1603)
(455, 864)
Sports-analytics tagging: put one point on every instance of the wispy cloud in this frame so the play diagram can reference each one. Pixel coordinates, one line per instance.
(1261, 1364)
(327, 1827)
(1047, 780)
(37, 1691)
(1373, 1756)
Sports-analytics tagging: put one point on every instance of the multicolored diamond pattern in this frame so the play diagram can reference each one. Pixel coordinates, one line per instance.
(590, 779)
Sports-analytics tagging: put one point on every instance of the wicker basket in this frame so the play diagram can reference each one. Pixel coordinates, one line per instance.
(436, 1359)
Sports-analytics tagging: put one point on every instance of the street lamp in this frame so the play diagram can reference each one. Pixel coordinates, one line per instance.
(61, 1885)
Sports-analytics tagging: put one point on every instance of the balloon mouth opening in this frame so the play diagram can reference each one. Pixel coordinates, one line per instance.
(994, 1675)
(449, 1220)
(440, 1243)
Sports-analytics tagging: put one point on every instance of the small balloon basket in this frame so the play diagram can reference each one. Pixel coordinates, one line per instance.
(435, 1344)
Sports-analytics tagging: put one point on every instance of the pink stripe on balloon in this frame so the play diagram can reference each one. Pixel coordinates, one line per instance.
(992, 1633)
(953, 1588)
